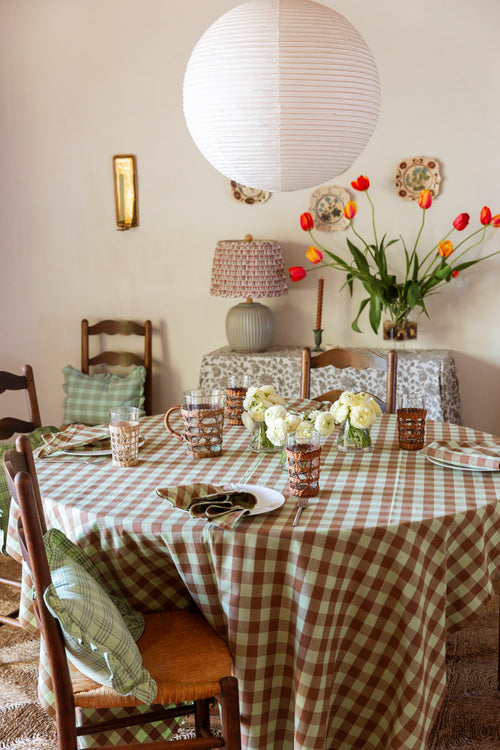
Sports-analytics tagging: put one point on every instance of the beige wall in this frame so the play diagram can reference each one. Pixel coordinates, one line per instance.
(83, 80)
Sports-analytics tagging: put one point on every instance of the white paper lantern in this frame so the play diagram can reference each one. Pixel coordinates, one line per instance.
(281, 94)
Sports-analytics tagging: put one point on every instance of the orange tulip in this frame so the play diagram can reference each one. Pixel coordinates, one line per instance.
(306, 221)
(350, 209)
(362, 183)
(425, 199)
(485, 216)
(495, 222)
(314, 255)
(297, 273)
(445, 248)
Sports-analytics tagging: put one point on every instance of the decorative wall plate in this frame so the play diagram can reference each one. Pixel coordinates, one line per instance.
(249, 195)
(327, 207)
(417, 174)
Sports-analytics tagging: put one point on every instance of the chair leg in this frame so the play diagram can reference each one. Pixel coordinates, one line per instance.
(230, 713)
(202, 718)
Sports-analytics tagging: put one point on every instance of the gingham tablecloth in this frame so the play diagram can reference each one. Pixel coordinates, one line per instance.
(337, 626)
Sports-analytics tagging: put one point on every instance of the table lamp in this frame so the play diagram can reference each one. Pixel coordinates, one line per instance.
(248, 268)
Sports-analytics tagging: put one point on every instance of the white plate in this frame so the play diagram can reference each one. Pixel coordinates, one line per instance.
(446, 465)
(266, 499)
(98, 452)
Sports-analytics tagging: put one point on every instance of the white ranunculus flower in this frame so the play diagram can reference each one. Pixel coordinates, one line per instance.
(277, 431)
(374, 406)
(347, 398)
(257, 412)
(341, 413)
(361, 417)
(275, 398)
(247, 421)
(292, 421)
(324, 423)
(275, 412)
(267, 390)
(303, 431)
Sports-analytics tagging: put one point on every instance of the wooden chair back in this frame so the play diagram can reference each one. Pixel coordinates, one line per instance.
(123, 359)
(12, 382)
(360, 359)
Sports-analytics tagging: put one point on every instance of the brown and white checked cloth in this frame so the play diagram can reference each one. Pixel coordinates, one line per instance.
(337, 626)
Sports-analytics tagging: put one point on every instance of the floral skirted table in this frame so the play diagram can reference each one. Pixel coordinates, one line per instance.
(337, 626)
(431, 371)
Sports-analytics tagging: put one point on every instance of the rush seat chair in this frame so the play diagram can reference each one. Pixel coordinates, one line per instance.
(189, 662)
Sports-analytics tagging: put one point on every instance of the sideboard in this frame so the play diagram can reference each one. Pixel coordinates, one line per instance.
(431, 371)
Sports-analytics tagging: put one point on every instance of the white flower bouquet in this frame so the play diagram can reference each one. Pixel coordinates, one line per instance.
(270, 423)
(355, 413)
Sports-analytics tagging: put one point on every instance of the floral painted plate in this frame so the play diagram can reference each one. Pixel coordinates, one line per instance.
(417, 174)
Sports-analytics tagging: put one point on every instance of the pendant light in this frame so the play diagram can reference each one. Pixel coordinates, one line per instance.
(281, 95)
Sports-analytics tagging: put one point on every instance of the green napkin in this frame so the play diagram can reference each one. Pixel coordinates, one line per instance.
(221, 506)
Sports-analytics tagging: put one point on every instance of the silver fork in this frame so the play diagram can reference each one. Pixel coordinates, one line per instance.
(301, 504)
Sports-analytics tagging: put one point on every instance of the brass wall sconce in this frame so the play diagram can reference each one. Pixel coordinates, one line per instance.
(125, 182)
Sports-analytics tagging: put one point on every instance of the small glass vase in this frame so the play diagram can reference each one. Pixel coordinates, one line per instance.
(403, 330)
(260, 442)
(354, 439)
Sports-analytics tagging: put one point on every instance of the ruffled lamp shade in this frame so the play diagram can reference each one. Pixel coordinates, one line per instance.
(281, 94)
(248, 268)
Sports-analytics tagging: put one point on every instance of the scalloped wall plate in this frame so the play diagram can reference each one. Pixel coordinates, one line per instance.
(416, 174)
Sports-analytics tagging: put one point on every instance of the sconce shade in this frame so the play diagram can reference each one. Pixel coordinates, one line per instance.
(248, 268)
(281, 94)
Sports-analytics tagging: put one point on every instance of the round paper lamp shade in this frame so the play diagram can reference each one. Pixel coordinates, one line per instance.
(281, 94)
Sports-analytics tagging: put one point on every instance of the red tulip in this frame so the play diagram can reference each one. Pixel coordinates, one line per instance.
(306, 221)
(297, 273)
(445, 248)
(350, 209)
(314, 255)
(425, 199)
(362, 183)
(485, 216)
(454, 274)
(495, 222)
(461, 222)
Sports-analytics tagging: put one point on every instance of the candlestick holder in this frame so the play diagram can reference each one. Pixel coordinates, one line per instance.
(317, 340)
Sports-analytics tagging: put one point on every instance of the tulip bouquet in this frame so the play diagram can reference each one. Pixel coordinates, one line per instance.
(370, 266)
(270, 423)
(355, 412)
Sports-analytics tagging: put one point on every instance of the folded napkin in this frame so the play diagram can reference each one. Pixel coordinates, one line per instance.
(465, 453)
(222, 506)
(75, 436)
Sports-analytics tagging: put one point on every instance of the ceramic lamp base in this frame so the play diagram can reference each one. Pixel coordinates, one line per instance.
(249, 327)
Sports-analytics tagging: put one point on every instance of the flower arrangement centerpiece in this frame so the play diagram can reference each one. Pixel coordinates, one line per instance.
(270, 423)
(370, 264)
(355, 413)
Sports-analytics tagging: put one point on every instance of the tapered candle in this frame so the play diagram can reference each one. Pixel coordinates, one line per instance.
(319, 309)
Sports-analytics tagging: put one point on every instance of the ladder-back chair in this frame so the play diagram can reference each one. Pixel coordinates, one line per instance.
(123, 359)
(360, 359)
(186, 658)
(10, 426)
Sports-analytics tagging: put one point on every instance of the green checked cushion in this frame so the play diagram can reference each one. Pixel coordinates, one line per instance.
(96, 637)
(89, 398)
(62, 551)
(35, 439)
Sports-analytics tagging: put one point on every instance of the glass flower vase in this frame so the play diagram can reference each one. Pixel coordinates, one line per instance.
(403, 330)
(353, 439)
(260, 442)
